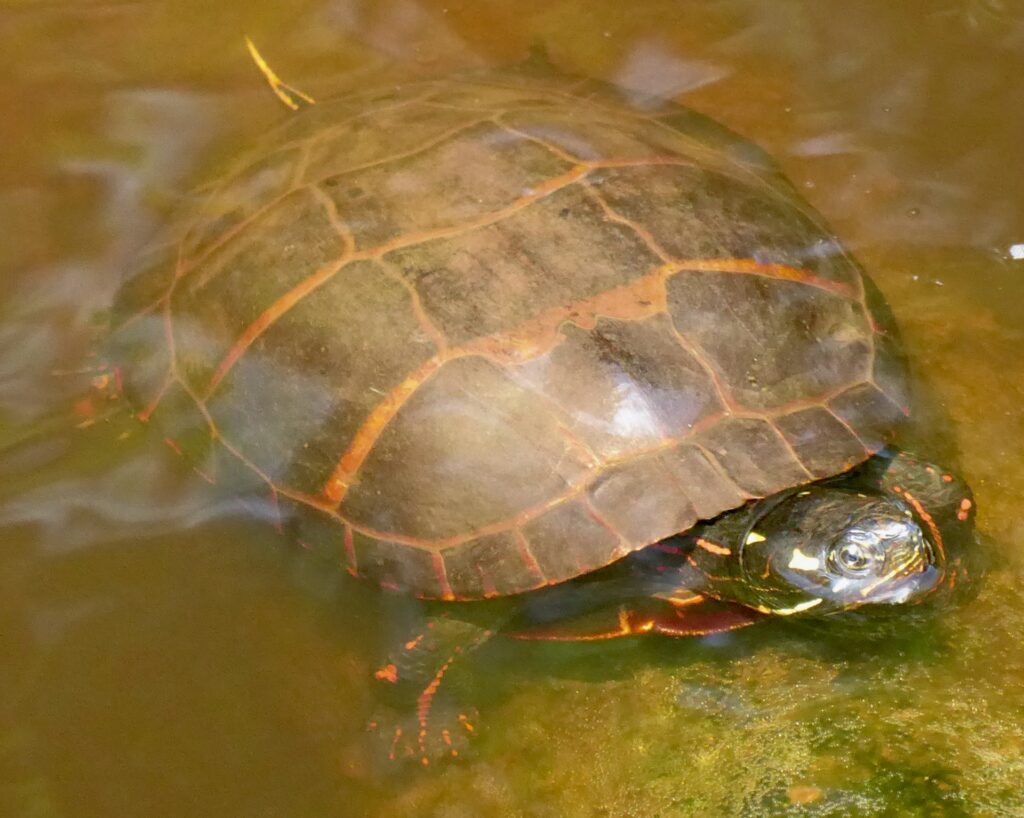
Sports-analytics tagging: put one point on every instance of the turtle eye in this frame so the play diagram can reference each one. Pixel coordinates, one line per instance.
(852, 557)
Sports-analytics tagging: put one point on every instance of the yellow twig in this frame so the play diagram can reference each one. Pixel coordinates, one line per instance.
(285, 92)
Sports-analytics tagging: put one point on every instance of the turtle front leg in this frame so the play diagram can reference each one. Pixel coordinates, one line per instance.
(423, 721)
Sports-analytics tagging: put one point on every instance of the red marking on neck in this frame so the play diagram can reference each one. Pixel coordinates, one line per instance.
(928, 519)
(965, 509)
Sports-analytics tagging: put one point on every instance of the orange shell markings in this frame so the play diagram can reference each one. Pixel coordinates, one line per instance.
(488, 333)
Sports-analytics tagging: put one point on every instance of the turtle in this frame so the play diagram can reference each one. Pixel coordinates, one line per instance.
(513, 335)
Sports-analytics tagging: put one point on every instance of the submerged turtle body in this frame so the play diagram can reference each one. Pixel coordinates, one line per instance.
(487, 334)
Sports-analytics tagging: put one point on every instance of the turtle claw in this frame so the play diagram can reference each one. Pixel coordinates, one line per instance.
(446, 735)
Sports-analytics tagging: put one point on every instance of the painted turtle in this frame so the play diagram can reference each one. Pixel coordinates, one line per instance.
(483, 335)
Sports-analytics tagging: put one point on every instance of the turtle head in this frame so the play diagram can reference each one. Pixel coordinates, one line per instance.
(895, 536)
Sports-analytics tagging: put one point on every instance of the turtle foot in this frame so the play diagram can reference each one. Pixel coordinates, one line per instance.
(424, 739)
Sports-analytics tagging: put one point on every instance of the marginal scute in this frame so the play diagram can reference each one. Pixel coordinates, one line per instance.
(147, 281)
(716, 137)
(889, 369)
(315, 530)
(141, 346)
(709, 489)
(469, 449)
(490, 565)
(605, 135)
(870, 413)
(186, 432)
(398, 566)
(645, 499)
(567, 537)
(820, 440)
(754, 455)
(185, 429)
(621, 98)
(773, 341)
(495, 98)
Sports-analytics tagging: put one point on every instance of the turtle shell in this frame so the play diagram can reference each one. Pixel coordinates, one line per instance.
(489, 333)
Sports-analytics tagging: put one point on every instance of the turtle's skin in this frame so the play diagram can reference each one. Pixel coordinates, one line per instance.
(483, 335)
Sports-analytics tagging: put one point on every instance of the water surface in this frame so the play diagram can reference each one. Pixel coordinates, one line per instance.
(164, 652)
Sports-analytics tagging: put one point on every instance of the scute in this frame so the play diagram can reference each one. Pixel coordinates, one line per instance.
(646, 495)
(819, 438)
(754, 455)
(702, 212)
(569, 535)
(497, 277)
(469, 450)
(216, 301)
(625, 385)
(473, 169)
(772, 341)
(483, 334)
(492, 565)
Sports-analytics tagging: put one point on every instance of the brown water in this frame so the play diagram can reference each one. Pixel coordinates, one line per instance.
(163, 652)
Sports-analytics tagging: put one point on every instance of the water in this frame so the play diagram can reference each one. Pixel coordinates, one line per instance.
(165, 653)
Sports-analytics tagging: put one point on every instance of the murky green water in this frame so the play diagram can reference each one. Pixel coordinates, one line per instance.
(162, 652)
